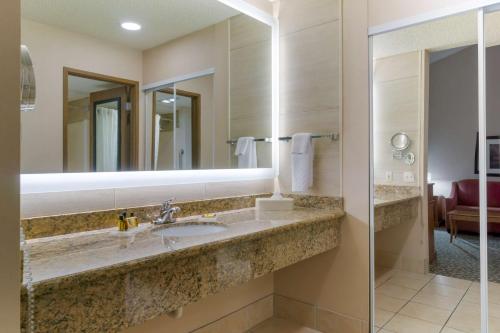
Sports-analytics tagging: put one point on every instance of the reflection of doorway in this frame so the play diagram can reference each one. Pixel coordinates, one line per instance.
(183, 153)
(106, 135)
(88, 103)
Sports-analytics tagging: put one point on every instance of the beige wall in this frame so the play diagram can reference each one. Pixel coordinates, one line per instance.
(251, 84)
(452, 148)
(52, 49)
(336, 282)
(310, 81)
(201, 50)
(385, 11)
(205, 87)
(9, 166)
(396, 108)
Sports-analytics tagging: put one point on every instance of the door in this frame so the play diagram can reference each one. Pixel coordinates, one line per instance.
(176, 130)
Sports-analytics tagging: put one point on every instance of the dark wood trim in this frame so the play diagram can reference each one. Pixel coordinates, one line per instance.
(195, 124)
(134, 113)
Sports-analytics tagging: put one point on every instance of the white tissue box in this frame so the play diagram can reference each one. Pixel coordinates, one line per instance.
(274, 204)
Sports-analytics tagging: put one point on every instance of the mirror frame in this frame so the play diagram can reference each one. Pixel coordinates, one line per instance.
(58, 182)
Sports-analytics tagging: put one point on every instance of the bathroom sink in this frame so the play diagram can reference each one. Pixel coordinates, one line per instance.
(190, 230)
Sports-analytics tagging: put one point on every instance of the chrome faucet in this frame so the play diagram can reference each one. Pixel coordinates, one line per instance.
(167, 213)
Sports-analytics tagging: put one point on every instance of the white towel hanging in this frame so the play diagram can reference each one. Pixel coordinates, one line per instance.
(246, 150)
(302, 151)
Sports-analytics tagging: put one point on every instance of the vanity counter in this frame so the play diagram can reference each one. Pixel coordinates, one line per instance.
(379, 202)
(104, 281)
(392, 211)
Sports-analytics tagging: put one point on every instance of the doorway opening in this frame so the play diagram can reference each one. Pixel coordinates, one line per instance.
(100, 122)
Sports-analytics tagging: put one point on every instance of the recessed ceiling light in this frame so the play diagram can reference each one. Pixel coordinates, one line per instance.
(131, 26)
(166, 101)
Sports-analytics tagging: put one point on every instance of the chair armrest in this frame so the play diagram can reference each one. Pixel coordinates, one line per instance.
(450, 203)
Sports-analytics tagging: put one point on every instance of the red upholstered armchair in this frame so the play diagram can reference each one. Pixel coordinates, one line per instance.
(465, 197)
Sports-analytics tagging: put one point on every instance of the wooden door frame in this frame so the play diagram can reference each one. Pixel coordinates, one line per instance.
(195, 124)
(134, 112)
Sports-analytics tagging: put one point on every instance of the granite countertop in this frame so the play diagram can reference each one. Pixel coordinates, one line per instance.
(58, 258)
(392, 200)
(105, 281)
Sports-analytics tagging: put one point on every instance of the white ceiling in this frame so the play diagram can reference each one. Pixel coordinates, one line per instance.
(79, 87)
(161, 108)
(161, 20)
(447, 33)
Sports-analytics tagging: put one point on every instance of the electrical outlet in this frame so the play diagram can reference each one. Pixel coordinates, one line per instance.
(409, 177)
(388, 176)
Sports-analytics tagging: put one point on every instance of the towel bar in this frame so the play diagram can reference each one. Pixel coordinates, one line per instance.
(331, 136)
(268, 140)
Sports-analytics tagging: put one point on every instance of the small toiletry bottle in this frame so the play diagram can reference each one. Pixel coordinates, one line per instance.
(132, 221)
(122, 224)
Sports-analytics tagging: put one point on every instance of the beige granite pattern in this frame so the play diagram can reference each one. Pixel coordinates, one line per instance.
(391, 192)
(104, 281)
(72, 223)
(395, 205)
(316, 201)
(47, 226)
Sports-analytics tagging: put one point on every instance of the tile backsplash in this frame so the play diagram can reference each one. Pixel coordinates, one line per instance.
(68, 202)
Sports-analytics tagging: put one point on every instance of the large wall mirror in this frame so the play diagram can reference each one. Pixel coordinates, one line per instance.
(435, 228)
(146, 86)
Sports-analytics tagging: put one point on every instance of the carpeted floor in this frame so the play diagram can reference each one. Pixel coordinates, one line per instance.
(460, 259)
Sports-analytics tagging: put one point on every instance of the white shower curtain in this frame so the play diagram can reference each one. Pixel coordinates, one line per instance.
(106, 139)
(157, 140)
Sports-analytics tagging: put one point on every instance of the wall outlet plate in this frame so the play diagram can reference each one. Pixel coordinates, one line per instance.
(388, 176)
(409, 177)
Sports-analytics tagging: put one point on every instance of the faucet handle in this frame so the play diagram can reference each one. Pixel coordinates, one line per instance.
(168, 204)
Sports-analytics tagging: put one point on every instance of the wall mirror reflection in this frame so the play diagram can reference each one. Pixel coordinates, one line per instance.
(145, 86)
(98, 116)
(425, 84)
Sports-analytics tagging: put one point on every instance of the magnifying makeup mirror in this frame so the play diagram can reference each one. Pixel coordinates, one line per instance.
(400, 142)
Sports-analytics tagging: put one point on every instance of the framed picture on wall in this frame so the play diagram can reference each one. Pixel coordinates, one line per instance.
(492, 156)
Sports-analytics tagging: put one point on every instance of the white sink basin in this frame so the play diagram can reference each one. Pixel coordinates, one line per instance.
(190, 230)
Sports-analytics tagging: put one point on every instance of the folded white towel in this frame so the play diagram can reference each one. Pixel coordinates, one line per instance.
(246, 150)
(302, 162)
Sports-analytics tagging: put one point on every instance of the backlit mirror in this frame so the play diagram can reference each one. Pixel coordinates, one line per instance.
(170, 85)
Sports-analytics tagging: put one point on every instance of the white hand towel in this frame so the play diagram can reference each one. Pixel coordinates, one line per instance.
(246, 150)
(302, 162)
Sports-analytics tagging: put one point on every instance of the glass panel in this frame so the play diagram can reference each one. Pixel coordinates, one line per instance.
(163, 130)
(184, 133)
(492, 57)
(227, 54)
(425, 124)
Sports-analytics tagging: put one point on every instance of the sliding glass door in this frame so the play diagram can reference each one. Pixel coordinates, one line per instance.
(490, 171)
(435, 171)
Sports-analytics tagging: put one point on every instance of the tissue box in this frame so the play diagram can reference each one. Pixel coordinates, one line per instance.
(274, 204)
